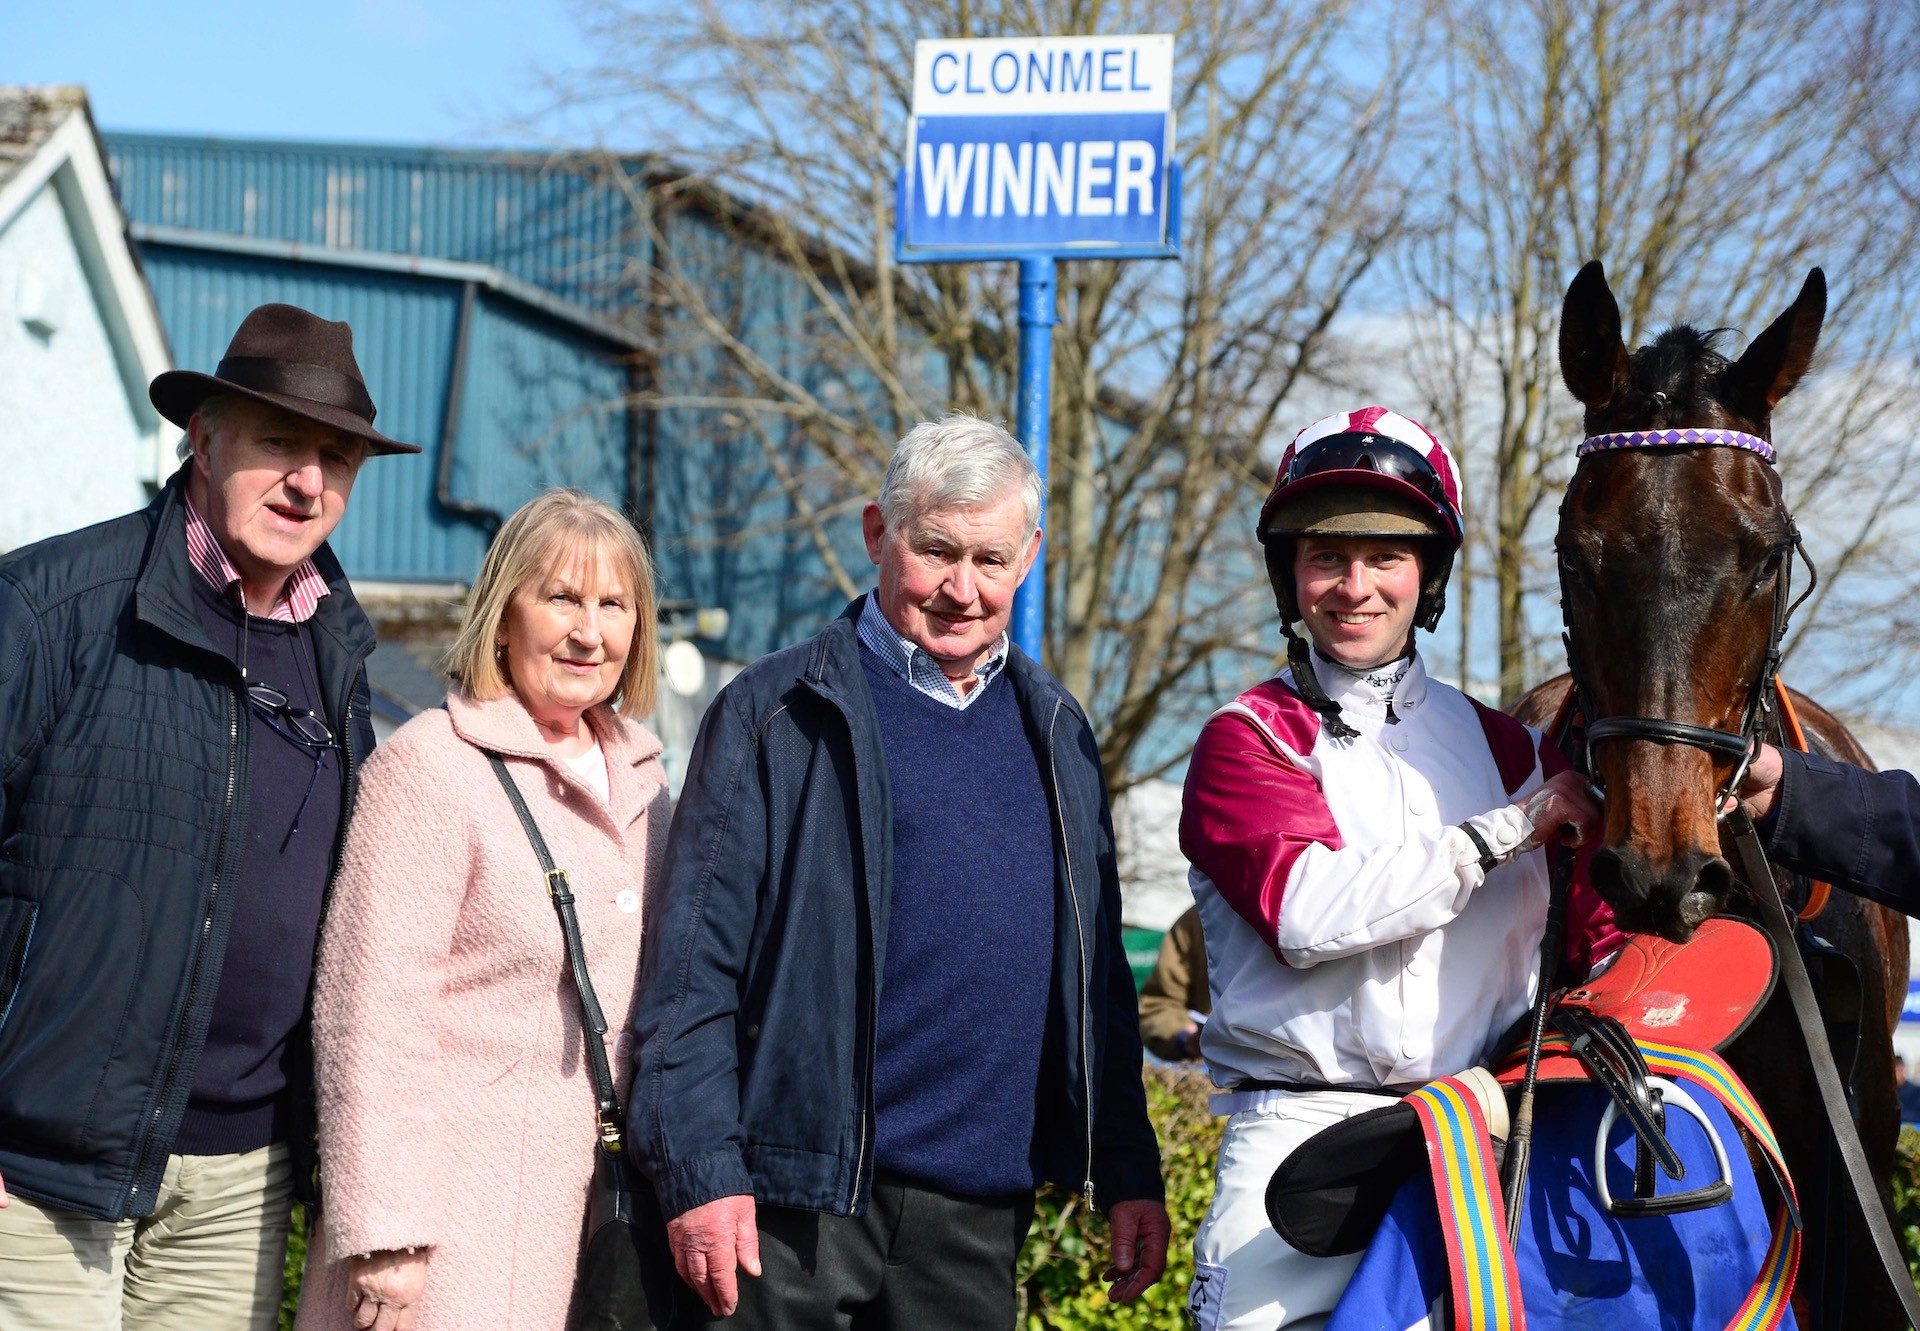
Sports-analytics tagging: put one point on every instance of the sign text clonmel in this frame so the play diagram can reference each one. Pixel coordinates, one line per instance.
(1040, 144)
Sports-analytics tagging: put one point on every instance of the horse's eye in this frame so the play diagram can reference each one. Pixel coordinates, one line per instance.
(1571, 573)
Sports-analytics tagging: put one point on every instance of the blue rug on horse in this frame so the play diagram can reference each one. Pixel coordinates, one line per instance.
(1580, 1267)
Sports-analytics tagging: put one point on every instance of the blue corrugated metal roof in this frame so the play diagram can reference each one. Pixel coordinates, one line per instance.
(727, 532)
(539, 406)
(564, 223)
(391, 240)
(226, 224)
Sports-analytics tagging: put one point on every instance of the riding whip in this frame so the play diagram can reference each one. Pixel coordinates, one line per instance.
(1513, 1172)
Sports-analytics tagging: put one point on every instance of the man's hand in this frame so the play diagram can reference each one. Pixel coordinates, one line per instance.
(1140, 1233)
(384, 1289)
(1560, 810)
(4, 1199)
(710, 1242)
(1760, 786)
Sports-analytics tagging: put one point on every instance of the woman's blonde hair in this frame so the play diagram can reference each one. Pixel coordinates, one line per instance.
(543, 536)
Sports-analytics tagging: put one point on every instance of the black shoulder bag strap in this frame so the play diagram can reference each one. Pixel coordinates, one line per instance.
(1773, 913)
(606, 1098)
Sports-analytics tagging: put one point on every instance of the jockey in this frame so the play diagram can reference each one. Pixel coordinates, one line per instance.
(1364, 843)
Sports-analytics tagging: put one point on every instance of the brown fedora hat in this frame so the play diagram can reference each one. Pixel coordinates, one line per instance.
(286, 357)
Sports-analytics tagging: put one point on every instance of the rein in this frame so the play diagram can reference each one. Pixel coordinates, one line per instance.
(1738, 826)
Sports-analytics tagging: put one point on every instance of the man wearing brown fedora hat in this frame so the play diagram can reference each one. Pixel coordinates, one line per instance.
(183, 704)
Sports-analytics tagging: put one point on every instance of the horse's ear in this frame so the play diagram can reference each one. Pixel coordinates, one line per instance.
(1593, 358)
(1774, 361)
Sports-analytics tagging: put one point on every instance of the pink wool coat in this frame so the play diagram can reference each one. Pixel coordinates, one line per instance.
(456, 1105)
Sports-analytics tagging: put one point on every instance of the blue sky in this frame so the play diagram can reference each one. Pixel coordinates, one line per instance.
(409, 71)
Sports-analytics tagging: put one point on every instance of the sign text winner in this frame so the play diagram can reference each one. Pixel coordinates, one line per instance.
(1043, 143)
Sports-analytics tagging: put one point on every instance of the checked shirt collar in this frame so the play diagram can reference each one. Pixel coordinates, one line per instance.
(912, 663)
(297, 600)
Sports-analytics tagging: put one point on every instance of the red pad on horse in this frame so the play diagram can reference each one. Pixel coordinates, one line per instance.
(1699, 994)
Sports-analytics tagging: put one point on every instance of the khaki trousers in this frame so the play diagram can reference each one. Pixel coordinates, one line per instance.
(209, 1258)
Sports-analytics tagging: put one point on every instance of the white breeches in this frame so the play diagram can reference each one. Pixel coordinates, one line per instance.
(1246, 1278)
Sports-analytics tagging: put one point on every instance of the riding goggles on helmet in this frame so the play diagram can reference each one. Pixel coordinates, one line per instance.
(1365, 458)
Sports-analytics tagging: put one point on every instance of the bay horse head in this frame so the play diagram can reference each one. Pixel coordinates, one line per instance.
(1674, 570)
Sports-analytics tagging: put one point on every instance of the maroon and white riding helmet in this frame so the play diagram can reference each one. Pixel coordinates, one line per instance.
(1369, 449)
(1370, 472)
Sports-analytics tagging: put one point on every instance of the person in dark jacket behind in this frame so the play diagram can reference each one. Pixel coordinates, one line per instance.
(1838, 823)
(183, 702)
(886, 994)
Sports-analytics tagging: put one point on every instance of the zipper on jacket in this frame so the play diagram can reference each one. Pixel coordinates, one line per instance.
(172, 1066)
(864, 1091)
(865, 1108)
(348, 792)
(1080, 931)
(866, 1097)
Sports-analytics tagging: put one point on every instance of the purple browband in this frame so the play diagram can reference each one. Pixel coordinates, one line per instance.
(1753, 443)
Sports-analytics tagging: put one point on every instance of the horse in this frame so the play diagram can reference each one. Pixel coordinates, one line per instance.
(1674, 568)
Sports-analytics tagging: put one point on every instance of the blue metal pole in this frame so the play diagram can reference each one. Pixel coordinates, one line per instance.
(1036, 394)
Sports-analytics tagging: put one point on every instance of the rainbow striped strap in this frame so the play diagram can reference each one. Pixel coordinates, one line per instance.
(1767, 1302)
(1473, 1220)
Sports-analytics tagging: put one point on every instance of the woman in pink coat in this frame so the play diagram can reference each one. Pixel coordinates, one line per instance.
(456, 1103)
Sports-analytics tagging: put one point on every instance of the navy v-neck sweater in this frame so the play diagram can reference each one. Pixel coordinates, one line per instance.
(969, 965)
(279, 882)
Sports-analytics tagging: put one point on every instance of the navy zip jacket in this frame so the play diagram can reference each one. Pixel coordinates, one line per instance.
(123, 766)
(1844, 825)
(755, 1018)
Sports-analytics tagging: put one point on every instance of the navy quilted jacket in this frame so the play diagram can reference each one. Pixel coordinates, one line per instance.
(755, 1017)
(123, 772)
(1844, 825)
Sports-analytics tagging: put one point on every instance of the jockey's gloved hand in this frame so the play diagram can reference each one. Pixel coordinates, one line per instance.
(1562, 810)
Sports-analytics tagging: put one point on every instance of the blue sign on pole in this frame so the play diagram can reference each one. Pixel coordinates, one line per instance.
(1039, 149)
(1057, 146)
(1018, 184)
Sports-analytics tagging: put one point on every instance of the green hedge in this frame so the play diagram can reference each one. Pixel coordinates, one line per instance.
(1906, 1195)
(1067, 1248)
(296, 1263)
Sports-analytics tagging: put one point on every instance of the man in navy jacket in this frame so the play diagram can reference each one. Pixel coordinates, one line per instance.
(183, 703)
(885, 994)
(1838, 823)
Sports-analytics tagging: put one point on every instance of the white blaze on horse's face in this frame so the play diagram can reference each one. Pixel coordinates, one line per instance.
(1357, 596)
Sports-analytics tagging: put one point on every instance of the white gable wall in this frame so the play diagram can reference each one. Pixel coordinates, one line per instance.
(79, 339)
(72, 450)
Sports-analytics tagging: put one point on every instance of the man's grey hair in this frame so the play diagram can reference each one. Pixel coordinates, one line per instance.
(958, 461)
(211, 408)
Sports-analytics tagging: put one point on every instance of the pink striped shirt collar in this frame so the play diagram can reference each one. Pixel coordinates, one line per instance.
(298, 599)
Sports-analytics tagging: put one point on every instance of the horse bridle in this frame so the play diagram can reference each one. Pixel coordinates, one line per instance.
(1739, 829)
(1738, 747)
(1612, 1060)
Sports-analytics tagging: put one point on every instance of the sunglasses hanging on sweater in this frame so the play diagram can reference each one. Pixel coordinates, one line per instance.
(302, 727)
